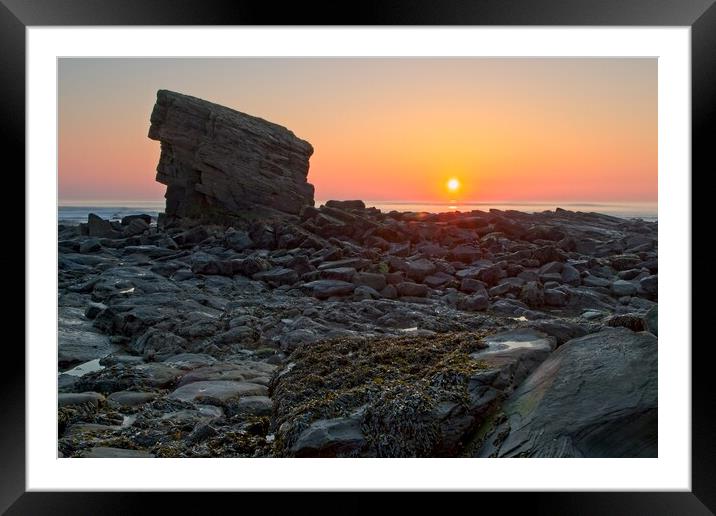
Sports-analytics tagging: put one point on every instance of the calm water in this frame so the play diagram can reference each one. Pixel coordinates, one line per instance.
(78, 211)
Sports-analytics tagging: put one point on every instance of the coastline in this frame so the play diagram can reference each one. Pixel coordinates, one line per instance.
(352, 332)
(74, 212)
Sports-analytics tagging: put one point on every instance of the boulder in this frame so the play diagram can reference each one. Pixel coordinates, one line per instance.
(214, 391)
(570, 275)
(595, 396)
(465, 253)
(346, 205)
(105, 452)
(418, 269)
(323, 289)
(127, 219)
(98, 227)
(652, 320)
(135, 227)
(532, 294)
(474, 303)
(409, 289)
(554, 297)
(339, 437)
(623, 288)
(370, 279)
(219, 163)
(338, 273)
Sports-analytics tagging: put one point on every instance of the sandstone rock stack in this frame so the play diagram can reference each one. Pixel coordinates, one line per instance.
(220, 164)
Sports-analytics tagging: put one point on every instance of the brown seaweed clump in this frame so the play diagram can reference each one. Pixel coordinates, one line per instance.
(394, 387)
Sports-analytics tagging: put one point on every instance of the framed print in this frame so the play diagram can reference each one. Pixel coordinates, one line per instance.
(384, 253)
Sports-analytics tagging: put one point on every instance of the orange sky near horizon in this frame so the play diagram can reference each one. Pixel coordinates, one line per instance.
(384, 128)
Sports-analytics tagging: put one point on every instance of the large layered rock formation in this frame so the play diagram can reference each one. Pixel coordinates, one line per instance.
(220, 164)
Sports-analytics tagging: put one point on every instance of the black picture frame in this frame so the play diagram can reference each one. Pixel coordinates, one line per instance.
(700, 15)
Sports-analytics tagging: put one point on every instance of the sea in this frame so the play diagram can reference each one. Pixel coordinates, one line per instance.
(74, 212)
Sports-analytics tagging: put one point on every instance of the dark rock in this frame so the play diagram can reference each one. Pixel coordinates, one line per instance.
(263, 236)
(623, 288)
(356, 263)
(323, 289)
(238, 240)
(629, 274)
(217, 391)
(570, 275)
(105, 452)
(634, 322)
(250, 266)
(532, 294)
(98, 227)
(474, 303)
(291, 340)
(127, 219)
(340, 437)
(191, 236)
(551, 268)
(561, 330)
(625, 261)
(365, 292)
(346, 205)
(256, 406)
(409, 289)
(418, 269)
(130, 398)
(553, 297)
(90, 245)
(158, 343)
(135, 227)
(218, 163)
(277, 276)
(66, 399)
(389, 292)
(338, 273)
(370, 279)
(595, 281)
(652, 320)
(548, 254)
(465, 253)
(438, 280)
(650, 285)
(596, 396)
(78, 341)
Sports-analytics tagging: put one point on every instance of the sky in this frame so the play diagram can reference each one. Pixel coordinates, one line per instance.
(507, 129)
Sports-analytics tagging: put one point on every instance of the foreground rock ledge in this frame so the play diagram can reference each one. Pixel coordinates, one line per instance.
(220, 164)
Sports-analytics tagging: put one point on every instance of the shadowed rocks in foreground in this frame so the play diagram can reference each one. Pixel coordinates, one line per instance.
(596, 396)
(220, 164)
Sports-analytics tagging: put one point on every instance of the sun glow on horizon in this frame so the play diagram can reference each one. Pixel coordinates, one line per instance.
(453, 185)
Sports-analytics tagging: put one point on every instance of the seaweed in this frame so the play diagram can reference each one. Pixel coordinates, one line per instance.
(393, 385)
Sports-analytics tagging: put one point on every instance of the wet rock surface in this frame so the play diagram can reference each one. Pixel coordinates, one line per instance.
(256, 340)
(596, 396)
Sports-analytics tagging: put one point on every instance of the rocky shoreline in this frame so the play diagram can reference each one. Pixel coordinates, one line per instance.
(246, 322)
(351, 332)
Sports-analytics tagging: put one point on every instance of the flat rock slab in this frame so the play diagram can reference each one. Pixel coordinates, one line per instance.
(78, 341)
(255, 405)
(103, 452)
(596, 396)
(256, 372)
(323, 289)
(65, 399)
(130, 398)
(219, 390)
(330, 438)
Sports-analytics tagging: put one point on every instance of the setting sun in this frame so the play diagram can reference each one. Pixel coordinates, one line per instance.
(453, 185)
